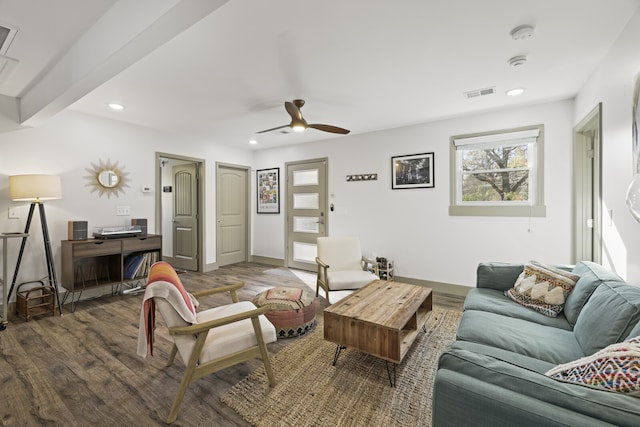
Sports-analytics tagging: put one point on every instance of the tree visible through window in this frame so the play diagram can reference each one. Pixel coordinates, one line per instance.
(496, 170)
(495, 174)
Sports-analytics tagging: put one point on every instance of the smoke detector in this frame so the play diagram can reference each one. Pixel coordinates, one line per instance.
(517, 61)
(522, 32)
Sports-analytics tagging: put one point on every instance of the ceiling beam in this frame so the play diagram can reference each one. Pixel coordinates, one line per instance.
(126, 33)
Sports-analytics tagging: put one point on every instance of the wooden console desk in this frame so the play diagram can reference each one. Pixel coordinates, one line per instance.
(94, 263)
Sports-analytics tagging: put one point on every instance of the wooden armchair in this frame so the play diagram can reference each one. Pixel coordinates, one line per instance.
(209, 340)
(341, 265)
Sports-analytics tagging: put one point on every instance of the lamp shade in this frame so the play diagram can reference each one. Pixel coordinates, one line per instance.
(35, 187)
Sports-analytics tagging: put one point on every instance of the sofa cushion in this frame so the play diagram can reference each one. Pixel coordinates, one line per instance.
(615, 368)
(591, 276)
(526, 338)
(494, 301)
(542, 288)
(608, 316)
(467, 376)
(497, 275)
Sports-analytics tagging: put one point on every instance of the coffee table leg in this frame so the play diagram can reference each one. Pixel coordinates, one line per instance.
(392, 382)
(339, 348)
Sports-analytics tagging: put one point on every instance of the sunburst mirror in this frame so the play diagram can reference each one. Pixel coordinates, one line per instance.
(107, 178)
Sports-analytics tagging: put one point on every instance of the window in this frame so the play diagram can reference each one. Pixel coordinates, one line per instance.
(498, 173)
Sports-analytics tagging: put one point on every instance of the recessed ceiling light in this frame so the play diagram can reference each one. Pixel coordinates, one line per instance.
(253, 142)
(116, 107)
(515, 91)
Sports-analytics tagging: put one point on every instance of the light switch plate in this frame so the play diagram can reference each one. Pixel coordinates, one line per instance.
(123, 210)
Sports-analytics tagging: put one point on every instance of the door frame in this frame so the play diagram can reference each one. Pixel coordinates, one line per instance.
(285, 208)
(592, 122)
(200, 167)
(248, 204)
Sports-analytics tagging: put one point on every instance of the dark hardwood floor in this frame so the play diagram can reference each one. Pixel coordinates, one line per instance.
(82, 369)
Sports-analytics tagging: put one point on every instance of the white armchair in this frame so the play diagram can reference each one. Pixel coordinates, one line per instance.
(207, 340)
(341, 265)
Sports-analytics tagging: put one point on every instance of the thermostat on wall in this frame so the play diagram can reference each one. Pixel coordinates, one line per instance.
(146, 189)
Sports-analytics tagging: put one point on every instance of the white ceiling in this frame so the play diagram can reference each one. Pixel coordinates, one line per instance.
(220, 71)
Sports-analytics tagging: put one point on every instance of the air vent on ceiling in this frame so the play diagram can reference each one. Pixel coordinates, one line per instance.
(480, 92)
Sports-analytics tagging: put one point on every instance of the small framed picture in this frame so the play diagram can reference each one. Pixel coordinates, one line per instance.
(412, 171)
(268, 190)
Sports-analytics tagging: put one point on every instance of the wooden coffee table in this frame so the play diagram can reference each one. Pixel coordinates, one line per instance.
(382, 319)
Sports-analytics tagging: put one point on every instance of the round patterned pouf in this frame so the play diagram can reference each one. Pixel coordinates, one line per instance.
(292, 310)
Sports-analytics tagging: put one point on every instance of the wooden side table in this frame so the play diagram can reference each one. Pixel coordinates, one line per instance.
(5, 290)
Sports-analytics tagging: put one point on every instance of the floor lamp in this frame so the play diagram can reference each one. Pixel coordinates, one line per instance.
(36, 188)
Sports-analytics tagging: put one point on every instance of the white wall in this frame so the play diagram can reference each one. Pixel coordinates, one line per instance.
(413, 226)
(66, 145)
(612, 84)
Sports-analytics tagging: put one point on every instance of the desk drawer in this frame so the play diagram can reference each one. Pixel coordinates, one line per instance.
(95, 248)
(135, 244)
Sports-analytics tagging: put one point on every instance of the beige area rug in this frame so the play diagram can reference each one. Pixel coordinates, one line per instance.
(310, 391)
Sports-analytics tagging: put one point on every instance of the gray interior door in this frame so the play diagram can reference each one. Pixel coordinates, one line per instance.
(231, 214)
(185, 216)
(306, 211)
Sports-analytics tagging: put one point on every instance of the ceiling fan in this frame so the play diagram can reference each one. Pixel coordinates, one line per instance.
(299, 124)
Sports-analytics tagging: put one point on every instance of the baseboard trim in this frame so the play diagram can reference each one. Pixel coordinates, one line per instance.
(210, 267)
(276, 262)
(445, 288)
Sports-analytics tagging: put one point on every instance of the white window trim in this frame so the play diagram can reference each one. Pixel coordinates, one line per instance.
(527, 134)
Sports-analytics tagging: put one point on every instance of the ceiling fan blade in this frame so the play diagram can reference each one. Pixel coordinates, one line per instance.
(329, 128)
(269, 130)
(293, 111)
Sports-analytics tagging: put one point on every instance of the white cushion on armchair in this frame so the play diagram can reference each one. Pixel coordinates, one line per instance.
(340, 259)
(341, 280)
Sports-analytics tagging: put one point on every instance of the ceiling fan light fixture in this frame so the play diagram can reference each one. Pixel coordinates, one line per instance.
(298, 124)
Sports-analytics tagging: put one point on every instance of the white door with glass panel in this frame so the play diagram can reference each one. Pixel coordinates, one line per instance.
(306, 211)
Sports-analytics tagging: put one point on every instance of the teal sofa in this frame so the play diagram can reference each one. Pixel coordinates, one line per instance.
(494, 373)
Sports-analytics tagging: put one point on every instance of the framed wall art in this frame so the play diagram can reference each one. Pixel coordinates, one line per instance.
(412, 171)
(268, 190)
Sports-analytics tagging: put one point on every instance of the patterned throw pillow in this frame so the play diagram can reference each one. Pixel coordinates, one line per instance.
(615, 368)
(542, 288)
